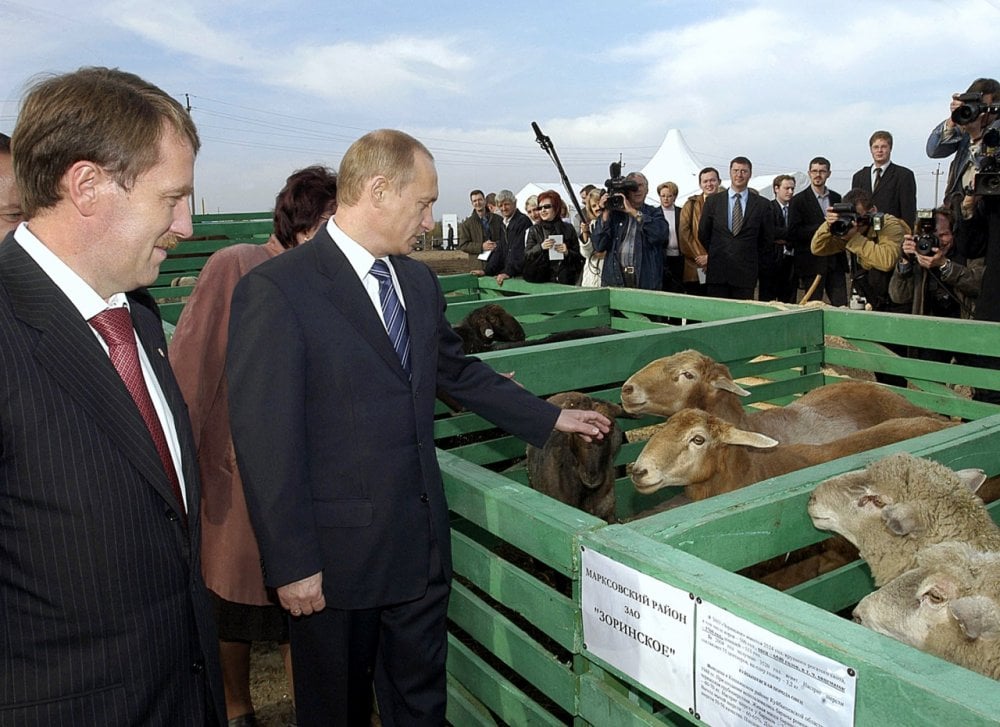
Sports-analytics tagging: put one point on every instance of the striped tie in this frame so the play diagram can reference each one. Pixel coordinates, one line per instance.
(737, 215)
(393, 313)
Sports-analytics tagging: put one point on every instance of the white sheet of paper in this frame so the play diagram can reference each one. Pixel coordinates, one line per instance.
(485, 254)
(553, 253)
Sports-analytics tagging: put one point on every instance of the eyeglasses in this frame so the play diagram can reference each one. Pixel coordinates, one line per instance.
(544, 207)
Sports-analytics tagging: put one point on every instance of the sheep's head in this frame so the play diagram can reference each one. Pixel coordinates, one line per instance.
(683, 380)
(897, 496)
(688, 450)
(591, 460)
(492, 323)
(951, 597)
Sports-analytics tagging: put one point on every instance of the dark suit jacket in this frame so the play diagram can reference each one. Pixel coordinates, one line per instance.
(804, 218)
(334, 442)
(736, 260)
(106, 618)
(896, 193)
(508, 257)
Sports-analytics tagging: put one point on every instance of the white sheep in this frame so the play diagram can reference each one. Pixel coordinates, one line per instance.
(690, 379)
(708, 456)
(899, 505)
(948, 605)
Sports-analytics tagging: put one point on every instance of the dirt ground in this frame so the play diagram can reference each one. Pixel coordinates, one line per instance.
(269, 688)
(443, 262)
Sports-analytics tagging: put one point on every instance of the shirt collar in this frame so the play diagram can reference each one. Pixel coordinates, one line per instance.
(84, 298)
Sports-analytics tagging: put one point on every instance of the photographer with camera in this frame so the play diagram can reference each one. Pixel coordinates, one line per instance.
(873, 239)
(962, 136)
(631, 232)
(931, 278)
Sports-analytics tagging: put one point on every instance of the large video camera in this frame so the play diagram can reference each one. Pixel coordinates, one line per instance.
(987, 179)
(618, 186)
(972, 108)
(847, 216)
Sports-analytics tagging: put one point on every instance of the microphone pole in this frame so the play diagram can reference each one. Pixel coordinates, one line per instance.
(546, 144)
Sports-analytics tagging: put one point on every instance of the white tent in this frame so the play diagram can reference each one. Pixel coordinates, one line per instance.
(673, 162)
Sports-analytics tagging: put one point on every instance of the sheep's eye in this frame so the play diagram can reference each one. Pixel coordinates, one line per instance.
(687, 375)
(698, 439)
(934, 597)
(871, 499)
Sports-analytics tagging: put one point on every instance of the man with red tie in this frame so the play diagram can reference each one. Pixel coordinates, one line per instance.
(107, 619)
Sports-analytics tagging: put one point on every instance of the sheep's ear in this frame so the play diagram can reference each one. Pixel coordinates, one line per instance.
(901, 519)
(972, 478)
(732, 435)
(978, 616)
(729, 385)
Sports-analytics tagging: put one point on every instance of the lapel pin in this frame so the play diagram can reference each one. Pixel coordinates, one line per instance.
(160, 351)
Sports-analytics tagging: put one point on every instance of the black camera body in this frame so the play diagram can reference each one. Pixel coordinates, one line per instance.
(924, 237)
(617, 186)
(972, 108)
(846, 216)
(987, 178)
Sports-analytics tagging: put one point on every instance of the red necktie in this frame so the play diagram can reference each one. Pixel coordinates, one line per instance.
(115, 327)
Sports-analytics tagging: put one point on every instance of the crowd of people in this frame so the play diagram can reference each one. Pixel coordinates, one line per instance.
(161, 509)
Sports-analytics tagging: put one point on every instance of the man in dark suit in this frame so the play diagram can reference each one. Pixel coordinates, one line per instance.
(332, 403)
(106, 618)
(479, 232)
(806, 212)
(507, 259)
(737, 230)
(893, 188)
(777, 277)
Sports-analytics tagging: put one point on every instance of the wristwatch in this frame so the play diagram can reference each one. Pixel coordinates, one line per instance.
(946, 268)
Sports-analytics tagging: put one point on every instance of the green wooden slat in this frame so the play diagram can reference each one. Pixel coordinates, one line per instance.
(537, 524)
(228, 216)
(601, 704)
(513, 646)
(544, 608)
(171, 312)
(838, 589)
(494, 690)
(464, 709)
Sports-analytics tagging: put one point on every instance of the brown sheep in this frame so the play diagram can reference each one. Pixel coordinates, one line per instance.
(579, 473)
(708, 456)
(485, 326)
(899, 505)
(690, 379)
(948, 605)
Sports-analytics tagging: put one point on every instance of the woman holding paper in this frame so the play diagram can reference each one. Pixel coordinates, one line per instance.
(552, 250)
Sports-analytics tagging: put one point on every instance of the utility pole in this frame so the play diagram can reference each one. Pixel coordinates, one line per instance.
(187, 107)
(937, 179)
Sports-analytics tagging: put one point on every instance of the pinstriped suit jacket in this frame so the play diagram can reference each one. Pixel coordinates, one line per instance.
(105, 618)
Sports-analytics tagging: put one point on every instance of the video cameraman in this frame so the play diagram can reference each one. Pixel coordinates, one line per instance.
(873, 239)
(963, 140)
(633, 234)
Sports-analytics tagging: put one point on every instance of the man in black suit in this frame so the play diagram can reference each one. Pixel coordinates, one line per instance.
(106, 618)
(333, 426)
(507, 259)
(893, 188)
(777, 279)
(806, 212)
(737, 230)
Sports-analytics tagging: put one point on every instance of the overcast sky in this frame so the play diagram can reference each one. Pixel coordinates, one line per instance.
(274, 86)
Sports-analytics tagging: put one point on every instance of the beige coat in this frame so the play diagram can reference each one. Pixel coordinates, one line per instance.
(687, 237)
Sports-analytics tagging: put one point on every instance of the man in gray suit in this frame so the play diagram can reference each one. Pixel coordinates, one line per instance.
(106, 618)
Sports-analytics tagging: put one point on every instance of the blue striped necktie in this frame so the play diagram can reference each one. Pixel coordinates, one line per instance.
(393, 313)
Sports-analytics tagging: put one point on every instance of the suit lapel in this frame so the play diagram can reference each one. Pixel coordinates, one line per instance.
(348, 295)
(69, 351)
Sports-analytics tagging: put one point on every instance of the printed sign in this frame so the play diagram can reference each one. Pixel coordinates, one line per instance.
(640, 626)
